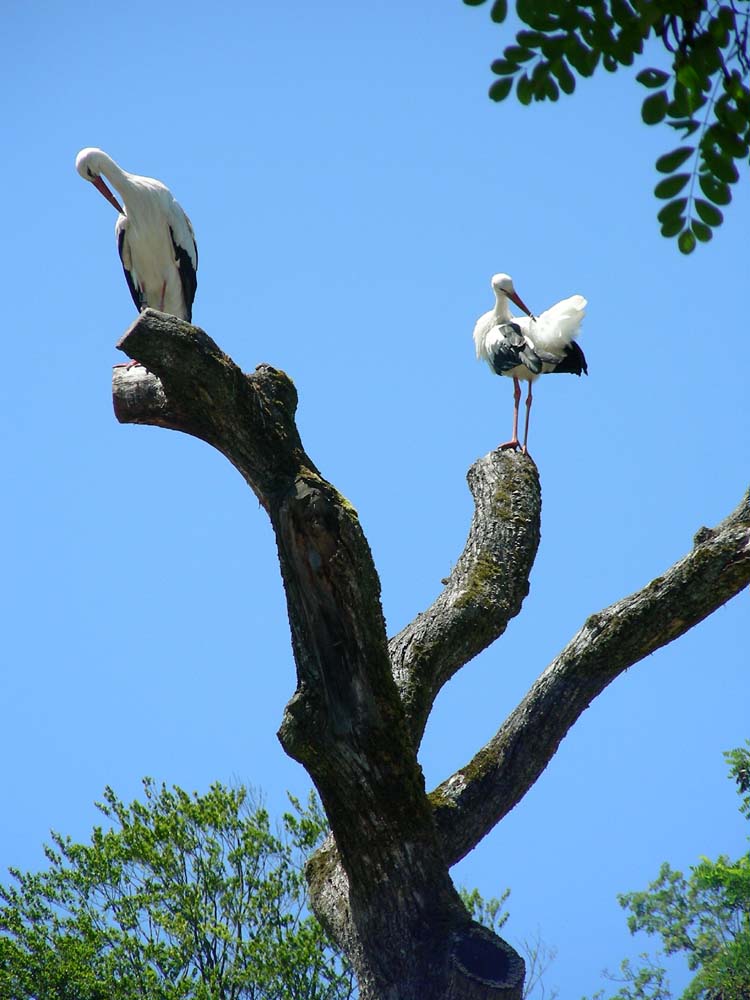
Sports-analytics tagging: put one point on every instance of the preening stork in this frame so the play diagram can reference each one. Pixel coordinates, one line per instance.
(154, 236)
(525, 347)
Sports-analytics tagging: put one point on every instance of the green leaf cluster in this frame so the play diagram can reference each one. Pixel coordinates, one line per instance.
(180, 897)
(704, 93)
(705, 917)
(488, 912)
(566, 40)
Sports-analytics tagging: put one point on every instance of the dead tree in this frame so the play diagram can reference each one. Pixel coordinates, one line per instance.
(381, 883)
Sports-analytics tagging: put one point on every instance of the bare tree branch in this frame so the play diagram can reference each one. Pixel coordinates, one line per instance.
(361, 704)
(485, 589)
(471, 802)
(405, 927)
(197, 386)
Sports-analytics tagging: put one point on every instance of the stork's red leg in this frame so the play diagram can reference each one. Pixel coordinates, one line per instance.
(514, 442)
(163, 295)
(526, 428)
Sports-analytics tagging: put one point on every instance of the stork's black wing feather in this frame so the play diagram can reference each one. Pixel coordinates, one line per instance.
(188, 274)
(140, 302)
(573, 361)
(511, 350)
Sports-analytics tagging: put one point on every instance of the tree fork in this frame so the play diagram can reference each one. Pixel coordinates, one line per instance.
(410, 935)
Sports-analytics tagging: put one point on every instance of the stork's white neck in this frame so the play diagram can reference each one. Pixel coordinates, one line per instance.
(118, 178)
(502, 307)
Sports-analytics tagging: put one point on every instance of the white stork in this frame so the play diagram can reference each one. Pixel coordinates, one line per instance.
(154, 236)
(525, 347)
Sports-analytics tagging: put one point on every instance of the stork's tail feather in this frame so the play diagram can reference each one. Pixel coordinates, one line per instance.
(573, 362)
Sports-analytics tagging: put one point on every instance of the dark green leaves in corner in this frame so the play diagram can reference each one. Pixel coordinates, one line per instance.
(702, 93)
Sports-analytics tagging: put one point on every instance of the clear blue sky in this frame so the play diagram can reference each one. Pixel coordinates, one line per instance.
(352, 190)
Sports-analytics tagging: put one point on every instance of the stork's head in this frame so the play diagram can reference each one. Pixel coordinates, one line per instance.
(502, 284)
(91, 163)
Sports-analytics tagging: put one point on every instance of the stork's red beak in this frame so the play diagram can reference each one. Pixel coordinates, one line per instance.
(514, 297)
(102, 188)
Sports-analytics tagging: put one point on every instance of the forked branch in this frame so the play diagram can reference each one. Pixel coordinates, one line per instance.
(471, 802)
(361, 704)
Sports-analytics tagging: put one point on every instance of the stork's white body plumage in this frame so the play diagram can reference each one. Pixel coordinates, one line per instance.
(155, 238)
(549, 333)
(525, 347)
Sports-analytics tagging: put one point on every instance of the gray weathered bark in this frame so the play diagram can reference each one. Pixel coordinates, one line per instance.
(381, 884)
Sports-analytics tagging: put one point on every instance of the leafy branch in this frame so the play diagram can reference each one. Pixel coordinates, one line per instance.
(705, 94)
(703, 916)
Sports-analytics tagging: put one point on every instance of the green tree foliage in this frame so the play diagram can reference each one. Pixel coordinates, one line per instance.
(704, 96)
(705, 917)
(488, 912)
(181, 897)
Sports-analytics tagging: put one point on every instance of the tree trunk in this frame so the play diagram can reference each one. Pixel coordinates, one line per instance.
(381, 884)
